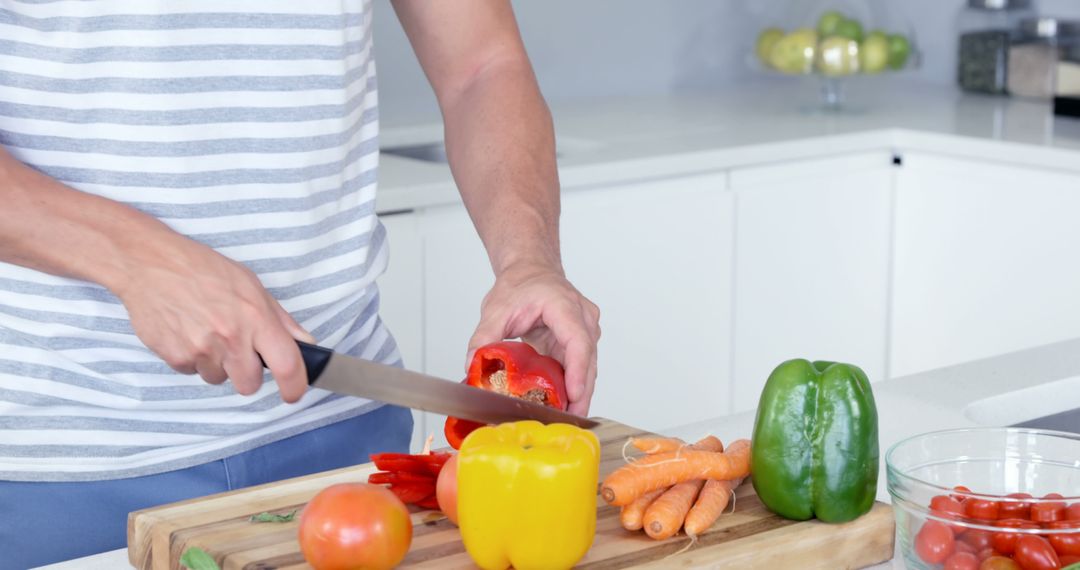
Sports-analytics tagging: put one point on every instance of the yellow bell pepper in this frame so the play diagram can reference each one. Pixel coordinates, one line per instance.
(527, 495)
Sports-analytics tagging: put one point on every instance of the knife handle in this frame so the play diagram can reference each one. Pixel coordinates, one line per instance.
(315, 359)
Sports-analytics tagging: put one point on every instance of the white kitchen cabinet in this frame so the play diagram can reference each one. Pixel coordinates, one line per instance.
(457, 275)
(655, 257)
(811, 266)
(986, 263)
(401, 295)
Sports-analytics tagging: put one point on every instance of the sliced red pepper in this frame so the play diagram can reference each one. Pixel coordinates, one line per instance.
(429, 463)
(384, 478)
(429, 502)
(411, 492)
(513, 369)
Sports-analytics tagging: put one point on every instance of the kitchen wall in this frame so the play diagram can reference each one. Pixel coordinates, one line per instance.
(596, 48)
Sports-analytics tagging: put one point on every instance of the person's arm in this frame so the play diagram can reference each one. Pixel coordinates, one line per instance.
(501, 146)
(199, 311)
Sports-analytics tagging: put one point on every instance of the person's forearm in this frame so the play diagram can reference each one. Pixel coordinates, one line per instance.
(501, 146)
(47, 226)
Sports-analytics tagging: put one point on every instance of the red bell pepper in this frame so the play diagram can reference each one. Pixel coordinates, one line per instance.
(513, 369)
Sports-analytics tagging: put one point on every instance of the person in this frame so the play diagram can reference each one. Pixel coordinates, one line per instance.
(188, 187)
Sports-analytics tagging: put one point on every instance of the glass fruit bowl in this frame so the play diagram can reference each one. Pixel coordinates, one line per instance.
(963, 496)
(834, 40)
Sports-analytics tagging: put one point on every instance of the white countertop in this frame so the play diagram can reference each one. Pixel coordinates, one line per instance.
(605, 141)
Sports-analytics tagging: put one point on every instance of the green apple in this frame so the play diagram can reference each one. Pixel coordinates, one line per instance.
(899, 51)
(838, 56)
(765, 42)
(828, 22)
(794, 53)
(874, 53)
(850, 28)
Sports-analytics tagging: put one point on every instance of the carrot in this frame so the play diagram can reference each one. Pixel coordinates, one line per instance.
(665, 516)
(665, 469)
(633, 514)
(652, 445)
(710, 504)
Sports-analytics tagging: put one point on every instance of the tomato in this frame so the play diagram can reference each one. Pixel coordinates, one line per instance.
(1065, 544)
(1015, 509)
(962, 561)
(987, 553)
(962, 546)
(999, 563)
(1005, 542)
(1048, 512)
(1035, 553)
(1073, 512)
(962, 489)
(1069, 560)
(354, 526)
(981, 509)
(948, 508)
(935, 542)
(446, 489)
(978, 539)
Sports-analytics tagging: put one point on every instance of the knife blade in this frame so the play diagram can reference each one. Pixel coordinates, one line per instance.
(344, 374)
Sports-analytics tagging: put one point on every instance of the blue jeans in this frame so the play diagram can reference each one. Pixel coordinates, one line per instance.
(43, 523)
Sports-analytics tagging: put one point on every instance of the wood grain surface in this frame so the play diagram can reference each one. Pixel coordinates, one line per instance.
(749, 537)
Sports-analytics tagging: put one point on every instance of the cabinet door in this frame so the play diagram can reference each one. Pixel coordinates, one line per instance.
(457, 275)
(986, 261)
(656, 258)
(401, 295)
(812, 261)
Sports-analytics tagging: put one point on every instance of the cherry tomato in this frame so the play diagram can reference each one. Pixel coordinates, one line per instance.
(1035, 553)
(1005, 542)
(1015, 510)
(999, 563)
(935, 542)
(1048, 512)
(446, 489)
(1073, 512)
(962, 561)
(962, 489)
(962, 546)
(354, 525)
(987, 553)
(948, 508)
(1069, 560)
(981, 509)
(978, 539)
(1065, 544)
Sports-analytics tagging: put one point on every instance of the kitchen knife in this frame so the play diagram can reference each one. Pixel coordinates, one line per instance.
(343, 374)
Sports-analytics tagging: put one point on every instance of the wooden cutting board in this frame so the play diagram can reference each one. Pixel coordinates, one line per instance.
(749, 537)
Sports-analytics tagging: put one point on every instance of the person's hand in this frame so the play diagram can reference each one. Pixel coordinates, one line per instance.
(205, 314)
(538, 304)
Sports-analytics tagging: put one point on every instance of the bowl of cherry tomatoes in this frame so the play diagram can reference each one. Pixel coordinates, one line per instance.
(987, 499)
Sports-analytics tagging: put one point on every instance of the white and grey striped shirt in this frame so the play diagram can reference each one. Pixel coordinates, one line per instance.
(248, 125)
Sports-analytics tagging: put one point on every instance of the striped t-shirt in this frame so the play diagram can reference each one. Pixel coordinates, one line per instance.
(247, 125)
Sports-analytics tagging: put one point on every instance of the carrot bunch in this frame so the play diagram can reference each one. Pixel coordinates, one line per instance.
(677, 486)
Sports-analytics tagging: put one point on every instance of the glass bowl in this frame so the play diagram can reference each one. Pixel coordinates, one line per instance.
(832, 40)
(991, 463)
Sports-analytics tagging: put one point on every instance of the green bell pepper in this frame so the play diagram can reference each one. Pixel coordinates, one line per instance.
(815, 444)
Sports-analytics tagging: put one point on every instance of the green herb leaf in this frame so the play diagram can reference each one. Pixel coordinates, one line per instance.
(196, 558)
(274, 518)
